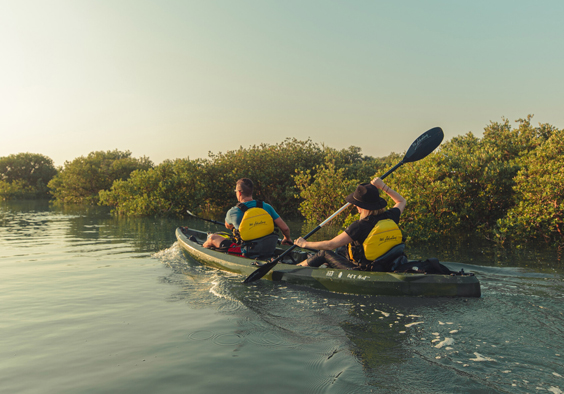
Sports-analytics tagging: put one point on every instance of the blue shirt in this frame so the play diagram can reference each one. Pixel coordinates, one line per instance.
(234, 216)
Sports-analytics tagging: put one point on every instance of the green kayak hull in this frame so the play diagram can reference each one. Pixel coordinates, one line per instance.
(335, 280)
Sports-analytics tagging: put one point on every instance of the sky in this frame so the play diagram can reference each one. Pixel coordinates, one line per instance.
(173, 79)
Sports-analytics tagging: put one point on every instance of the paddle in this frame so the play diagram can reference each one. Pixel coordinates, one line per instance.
(420, 148)
(207, 220)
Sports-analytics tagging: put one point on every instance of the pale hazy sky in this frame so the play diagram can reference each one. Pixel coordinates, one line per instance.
(173, 79)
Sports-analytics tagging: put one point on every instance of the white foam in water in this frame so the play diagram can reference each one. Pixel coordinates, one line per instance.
(445, 342)
(386, 314)
(413, 324)
(216, 290)
(169, 255)
(479, 357)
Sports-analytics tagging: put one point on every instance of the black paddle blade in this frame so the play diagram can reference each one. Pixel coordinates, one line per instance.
(425, 144)
(260, 272)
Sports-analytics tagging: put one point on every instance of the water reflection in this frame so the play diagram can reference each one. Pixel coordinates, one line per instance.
(93, 223)
(404, 342)
(469, 250)
(509, 340)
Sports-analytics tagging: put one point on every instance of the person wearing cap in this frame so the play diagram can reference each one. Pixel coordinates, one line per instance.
(372, 211)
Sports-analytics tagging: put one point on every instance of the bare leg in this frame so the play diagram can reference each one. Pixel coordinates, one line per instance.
(214, 240)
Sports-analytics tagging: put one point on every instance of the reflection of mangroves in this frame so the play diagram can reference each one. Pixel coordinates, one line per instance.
(376, 342)
(146, 235)
(463, 248)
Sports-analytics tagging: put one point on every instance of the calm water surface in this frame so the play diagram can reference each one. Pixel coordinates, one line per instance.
(94, 304)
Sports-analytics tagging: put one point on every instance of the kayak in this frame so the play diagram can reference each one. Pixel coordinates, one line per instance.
(335, 280)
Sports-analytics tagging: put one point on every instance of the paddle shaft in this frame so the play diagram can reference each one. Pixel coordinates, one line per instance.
(346, 205)
(207, 220)
(420, 148)
(263, 270)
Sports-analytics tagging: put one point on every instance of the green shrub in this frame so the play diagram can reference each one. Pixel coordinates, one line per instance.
(324, 193)
(25, 176)
(538, 214)
(270, 167)
(81, 180)
(169, 189)
(466, 186)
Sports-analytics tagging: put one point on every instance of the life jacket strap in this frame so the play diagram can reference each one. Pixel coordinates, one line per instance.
(243, 207)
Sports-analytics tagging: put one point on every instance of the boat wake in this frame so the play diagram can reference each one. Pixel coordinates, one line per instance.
(171, 256)
(476, 343)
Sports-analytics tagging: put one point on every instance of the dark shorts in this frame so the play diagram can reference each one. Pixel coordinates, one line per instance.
(231, 247)
(330, 258)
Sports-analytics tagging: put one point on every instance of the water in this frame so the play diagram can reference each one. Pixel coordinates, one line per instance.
(95, 304)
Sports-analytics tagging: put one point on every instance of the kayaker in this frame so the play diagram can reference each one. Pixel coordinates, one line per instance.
(252, 222)
(372, 236)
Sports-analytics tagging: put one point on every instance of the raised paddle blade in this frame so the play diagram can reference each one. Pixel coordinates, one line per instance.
(425, 144)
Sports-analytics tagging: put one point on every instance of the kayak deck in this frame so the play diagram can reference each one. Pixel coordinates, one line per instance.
(336, 280)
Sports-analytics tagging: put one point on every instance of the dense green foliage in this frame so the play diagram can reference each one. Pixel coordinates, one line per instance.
(270, 167)
(504, 187)
(206, 186)
(168, 189)
(81, 180)
(323, 189)
(538, 213)
(25, 176)
(474, 186)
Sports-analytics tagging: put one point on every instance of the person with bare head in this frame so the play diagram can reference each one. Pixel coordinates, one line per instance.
(252, 222)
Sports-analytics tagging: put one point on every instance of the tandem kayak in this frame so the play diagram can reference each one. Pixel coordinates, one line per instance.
(335, 280)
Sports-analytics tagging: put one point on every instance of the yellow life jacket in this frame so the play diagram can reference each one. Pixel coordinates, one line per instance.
(384, 236)
(256, 222)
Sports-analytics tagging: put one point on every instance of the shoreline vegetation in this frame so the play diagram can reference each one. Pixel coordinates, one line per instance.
(505, 187)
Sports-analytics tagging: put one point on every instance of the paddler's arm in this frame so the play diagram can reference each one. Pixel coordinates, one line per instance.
(338, 241)
(285, 230)
(231, 217)
(398, 199)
